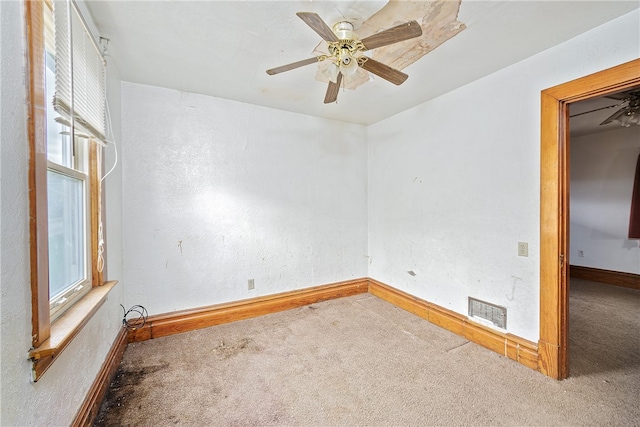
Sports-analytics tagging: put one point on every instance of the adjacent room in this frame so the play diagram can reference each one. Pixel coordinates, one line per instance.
(320, 212)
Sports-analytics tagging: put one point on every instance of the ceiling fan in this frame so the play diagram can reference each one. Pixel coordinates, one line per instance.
(626, 116)
(629, 114)
(346, 51)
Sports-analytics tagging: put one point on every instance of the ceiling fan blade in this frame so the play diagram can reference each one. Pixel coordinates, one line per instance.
(626, 95)
(405, 31)
(594, 110)
(615, 115)
(381, 70)
(318, 25)
(332, 90)
(292, 66)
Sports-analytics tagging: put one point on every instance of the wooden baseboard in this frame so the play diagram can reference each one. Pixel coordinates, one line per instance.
(189, 320)
(91, 406)
(618, 278)
(511, 346)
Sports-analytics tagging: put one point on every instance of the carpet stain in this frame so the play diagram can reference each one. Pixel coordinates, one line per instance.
(124, 388)
(228, 349)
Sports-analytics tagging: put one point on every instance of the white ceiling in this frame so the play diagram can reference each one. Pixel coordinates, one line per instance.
(222, 48)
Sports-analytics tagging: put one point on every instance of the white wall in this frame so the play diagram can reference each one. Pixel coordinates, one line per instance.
(603, 166)
(248, 192)
(112, 183)
(454, 183)
(218, 192)
(56, 397)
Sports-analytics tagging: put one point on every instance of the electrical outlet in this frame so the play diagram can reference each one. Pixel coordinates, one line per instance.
(523, 249)
(252, 284)
(581, 254)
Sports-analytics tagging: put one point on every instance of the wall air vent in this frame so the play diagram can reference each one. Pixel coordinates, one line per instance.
(487, 312)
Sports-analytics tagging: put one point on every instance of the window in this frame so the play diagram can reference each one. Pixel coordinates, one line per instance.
(67, 194)
(66, 127)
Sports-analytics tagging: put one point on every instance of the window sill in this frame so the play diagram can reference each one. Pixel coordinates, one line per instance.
(66, 327)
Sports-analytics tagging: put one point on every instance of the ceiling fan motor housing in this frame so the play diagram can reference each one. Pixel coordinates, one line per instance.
(345, 49)
(344, 31)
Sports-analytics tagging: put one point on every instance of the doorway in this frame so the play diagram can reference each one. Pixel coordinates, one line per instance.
(553, 358)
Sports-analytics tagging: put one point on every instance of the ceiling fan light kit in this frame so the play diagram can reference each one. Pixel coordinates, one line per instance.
(346, 51)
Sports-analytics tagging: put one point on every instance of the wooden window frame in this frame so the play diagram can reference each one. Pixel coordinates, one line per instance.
(48, 339)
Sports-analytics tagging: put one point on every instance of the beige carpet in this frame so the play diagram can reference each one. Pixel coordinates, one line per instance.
(361, 361)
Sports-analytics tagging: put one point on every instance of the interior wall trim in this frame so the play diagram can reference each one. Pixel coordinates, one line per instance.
(188, 320)
(508, 345)
(553, 345)
(91, 405)
(618, 278)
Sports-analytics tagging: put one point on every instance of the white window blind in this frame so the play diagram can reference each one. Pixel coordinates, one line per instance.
(80, 71)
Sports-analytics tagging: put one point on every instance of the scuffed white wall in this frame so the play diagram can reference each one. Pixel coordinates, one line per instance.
(217, 192)
(603, 166)
(454, 184)
(55, 399)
